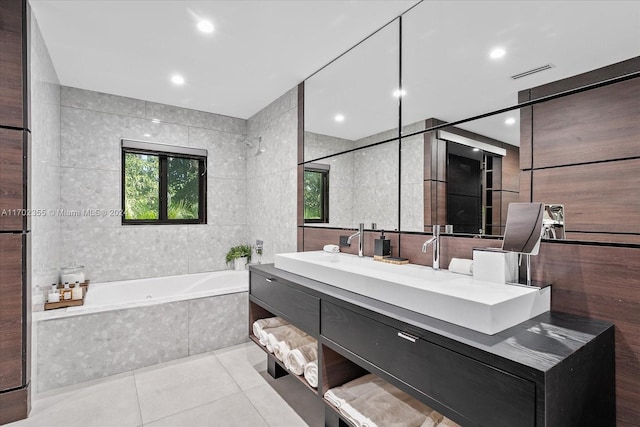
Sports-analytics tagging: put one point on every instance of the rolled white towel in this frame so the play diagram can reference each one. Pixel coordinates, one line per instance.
(311, 373)
(269, 322)
(461, 266)
(280, 333)
(299, 357)
(333, 249)
(285, 346)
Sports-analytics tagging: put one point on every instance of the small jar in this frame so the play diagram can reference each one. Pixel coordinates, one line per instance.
(76, 292)
(66, 292)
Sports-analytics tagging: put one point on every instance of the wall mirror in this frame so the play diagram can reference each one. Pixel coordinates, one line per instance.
(453, 76)
(359, 186)
(350, 103)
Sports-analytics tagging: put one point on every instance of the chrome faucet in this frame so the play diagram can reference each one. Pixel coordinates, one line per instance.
(360, 236)
(435, 242)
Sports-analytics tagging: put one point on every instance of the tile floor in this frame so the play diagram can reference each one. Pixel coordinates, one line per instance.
(226, 388)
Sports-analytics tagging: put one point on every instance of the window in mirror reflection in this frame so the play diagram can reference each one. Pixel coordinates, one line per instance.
(316, 193)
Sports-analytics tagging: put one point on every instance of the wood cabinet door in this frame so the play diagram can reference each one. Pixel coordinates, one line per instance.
(12, 68)
(12, 194)
(11, 373)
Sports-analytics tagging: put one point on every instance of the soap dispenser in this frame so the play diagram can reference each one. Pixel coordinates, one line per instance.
(382, 247)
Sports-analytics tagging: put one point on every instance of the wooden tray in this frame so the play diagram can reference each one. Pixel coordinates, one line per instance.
(69, 303)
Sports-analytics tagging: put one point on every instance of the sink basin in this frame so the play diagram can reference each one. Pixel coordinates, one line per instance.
(482, 306)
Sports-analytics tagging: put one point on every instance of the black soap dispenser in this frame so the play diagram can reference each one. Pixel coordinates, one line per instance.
(382, 247)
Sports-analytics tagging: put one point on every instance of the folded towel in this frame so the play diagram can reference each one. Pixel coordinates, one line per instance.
(311, 373)
(269, 322)
(283, 347)
(461, 266)
(338, 396)
(280, 333)
(352, 415)
(446, 422)
(388, 406)
(331, 248)
(299, 357)
(433, 418)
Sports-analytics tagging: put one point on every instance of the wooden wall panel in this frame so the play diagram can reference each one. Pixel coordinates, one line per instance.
(11, 65)
(14, 405)
(11, 179)
(602, 197)
(316, 237)
(602, 282)
(11, 311)
(596, 125)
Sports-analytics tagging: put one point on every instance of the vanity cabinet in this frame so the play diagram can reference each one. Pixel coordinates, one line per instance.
(553, 370)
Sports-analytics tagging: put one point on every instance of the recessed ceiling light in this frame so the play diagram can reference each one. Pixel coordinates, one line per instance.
(147, 135)
(155, 121)
(476, 149)
(339, 118)
(497, 53)
(177, 79)
(205, 26)
(510, 121)
(399, 92)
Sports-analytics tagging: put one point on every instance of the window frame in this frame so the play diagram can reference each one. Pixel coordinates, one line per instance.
(324, 170)
(163, 152)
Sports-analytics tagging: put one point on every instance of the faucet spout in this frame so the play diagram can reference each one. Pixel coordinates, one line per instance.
(435, 242)
(360, 236)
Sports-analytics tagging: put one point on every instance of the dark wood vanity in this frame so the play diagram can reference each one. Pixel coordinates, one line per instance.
(553, 370)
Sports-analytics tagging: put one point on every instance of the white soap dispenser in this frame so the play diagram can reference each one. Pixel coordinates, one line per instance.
(53, 295)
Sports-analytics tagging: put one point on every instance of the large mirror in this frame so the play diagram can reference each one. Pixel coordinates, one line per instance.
(457, 170)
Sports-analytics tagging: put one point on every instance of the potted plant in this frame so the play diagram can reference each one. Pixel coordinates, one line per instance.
(239, 256)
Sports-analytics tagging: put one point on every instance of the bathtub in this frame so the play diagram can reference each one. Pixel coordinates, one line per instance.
(130, 324)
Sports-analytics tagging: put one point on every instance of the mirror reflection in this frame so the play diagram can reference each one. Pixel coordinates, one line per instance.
(505, 47)
(360, 186)
(350, 103)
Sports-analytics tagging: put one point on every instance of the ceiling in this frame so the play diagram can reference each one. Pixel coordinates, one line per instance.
(257, 51)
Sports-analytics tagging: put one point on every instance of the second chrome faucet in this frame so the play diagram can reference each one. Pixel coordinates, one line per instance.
(435, 243)
(360, 236)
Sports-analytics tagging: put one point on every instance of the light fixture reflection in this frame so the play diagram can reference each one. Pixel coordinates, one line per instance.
(510, 121)
(399, 92)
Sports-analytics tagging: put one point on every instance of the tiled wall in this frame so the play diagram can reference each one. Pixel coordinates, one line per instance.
(92, 125)
(272, 176)
(45, 166)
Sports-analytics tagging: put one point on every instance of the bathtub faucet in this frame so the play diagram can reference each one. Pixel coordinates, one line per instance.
(360, 236)
(435, 242)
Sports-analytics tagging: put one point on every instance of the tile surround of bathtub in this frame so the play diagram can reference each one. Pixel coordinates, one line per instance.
(91, 129)
(218, 322)
(76, 349)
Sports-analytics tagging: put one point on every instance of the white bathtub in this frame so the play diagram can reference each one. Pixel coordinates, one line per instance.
(131, 324)
(105, 296)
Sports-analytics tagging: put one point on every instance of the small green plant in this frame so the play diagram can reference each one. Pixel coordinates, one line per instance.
(238, 252)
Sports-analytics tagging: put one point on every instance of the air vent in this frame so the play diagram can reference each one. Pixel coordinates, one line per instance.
(532, 71)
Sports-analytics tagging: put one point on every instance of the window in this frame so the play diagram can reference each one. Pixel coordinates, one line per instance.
(316, 193)
(162, 184)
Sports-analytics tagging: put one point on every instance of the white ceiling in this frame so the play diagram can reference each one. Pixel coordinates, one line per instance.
(261, 49)
(258, 50)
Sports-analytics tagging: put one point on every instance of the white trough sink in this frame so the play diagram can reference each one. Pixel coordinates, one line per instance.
(482, 306)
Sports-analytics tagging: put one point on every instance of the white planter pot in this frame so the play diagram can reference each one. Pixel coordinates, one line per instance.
(240, 263)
